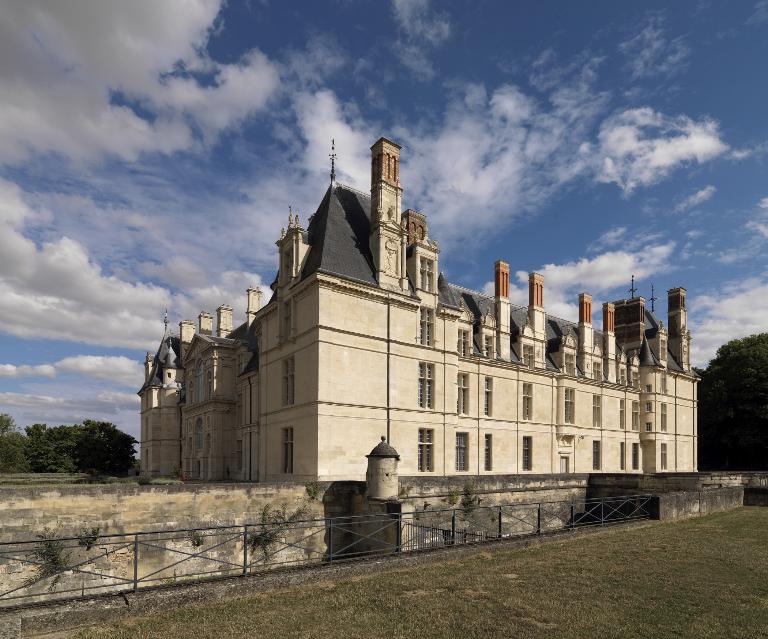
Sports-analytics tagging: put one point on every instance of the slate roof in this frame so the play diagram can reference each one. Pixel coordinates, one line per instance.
(167, 356)
(339, 236)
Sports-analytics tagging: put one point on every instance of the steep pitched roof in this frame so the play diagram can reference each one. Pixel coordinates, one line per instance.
(339, 235)
(167, 356)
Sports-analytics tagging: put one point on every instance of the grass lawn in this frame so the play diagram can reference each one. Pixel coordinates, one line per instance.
(705, 577)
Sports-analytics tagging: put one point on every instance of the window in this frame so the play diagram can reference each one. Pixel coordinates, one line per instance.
(648, 388)
(570, 364)
(664, 417)
(597, 410)
(488, 402)
(527, 453)
(623, 375)
(462, 400)
(199, 433)
(289, 371)
(528, 355)
(622, 456)
(210, 384)
(426, 379)
(570, 405)
(488, 349)
(664, 383)
(597, 370)
(663, 456)
(463, 345)
(239, 454)
(635, 456)
(488, 451)
(427, 327)
(622, 414)
(635, 379)
(662, 347)
(287, 319)
(635, 415)
(426, 271)
(527, 402)
(462, 443)
(648, 407)
(426, 437)
(288, 450)
(596, 455)
(648, 427)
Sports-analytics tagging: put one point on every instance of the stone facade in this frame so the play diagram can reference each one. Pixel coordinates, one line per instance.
(364, 337)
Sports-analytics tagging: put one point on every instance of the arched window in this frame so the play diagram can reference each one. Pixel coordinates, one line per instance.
(210, 384)
(199, 433)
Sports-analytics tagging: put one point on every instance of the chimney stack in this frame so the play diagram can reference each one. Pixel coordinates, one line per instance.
(503, 311)
(630, 322)
(585, 308)
(586, 334)
(677, 320)
(148, 365)
(536, 318)
(224, 320)
(415, 224)
(186, 333)
(609, 341)
(253, 303)
(205, 323)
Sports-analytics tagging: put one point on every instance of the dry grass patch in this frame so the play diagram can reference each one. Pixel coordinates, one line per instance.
(701, 578)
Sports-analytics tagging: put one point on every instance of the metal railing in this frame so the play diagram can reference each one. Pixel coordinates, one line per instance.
(53, 568)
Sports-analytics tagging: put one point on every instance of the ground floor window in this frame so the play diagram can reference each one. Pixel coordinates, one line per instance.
(622, 456)
(288, 450)
(488, 451)
(635, 456)
(426, 439)
(462, 446)
(663, 456)
(527, 453)
(595, 455)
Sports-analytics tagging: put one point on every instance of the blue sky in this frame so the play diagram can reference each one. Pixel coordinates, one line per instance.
(149, 153)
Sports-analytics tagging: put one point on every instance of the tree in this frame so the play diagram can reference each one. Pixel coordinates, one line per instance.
(733, 406)
(50, 450)
(12, 458)
(102, 447)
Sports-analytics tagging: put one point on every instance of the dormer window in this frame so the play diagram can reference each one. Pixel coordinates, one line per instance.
(288, 263)
(528, 355)
(427, 274)
(570, 364)
(463, 345)
(488, 349)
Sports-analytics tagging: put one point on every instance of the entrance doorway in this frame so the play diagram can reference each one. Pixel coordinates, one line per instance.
(565, 464)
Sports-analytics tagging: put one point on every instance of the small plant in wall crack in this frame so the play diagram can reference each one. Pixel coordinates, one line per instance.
(274, 524)
(195, 538)
(51, 556)
(452, 498)
(314, 490)
(87, 537)
(469, 498)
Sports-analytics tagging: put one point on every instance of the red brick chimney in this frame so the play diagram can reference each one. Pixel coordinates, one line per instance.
(501, 279)
(585, 308)
(609, 318)
(536, 290)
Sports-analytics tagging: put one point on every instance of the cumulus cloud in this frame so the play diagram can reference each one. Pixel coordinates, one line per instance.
(639, 147)
(696, 198)
(736, 310)
(421, 28)
(118, 369)
(56, 290)
(651, 53)
(75, 78)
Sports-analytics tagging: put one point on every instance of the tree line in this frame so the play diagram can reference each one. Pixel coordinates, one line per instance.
(92, 447)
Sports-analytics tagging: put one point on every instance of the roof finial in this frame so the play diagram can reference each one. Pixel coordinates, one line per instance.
(165, 319)
(632, 289)
(653, 300)
(332, 155)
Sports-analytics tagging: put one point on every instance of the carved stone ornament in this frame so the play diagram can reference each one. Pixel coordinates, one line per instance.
(391, 247)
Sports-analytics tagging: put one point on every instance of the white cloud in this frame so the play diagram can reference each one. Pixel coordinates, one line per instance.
(56, 290)
(651, 53)
(736, 310)
(638, 147)
(69, 75)
(120, 370)
(422, 29)
(612, 237)
(699, 197)
(760, 13)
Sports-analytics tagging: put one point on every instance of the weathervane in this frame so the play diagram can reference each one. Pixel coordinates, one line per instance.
(632, 289)
(165, 319)
(333, 156)
(653, 300)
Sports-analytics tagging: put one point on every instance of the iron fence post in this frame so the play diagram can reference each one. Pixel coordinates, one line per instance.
(330, 541)
(453, 527)
(602, 511)
(245, 550)
(399, 534)
(538, 519)
(573, 523)
(135, 563)
(499, 522)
